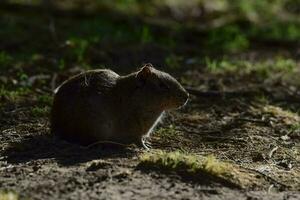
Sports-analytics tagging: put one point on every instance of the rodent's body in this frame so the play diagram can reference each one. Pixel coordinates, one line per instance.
(100, 105)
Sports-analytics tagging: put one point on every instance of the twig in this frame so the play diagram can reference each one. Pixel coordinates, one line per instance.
(270, 188)
(272, 152)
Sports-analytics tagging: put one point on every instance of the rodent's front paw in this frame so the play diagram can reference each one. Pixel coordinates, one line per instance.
(143, 142)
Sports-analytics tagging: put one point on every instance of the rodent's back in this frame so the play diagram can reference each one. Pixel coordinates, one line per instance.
(77, 103)
(101, 80)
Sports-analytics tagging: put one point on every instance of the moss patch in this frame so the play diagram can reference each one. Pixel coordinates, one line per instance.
(187, 163)
(200, 168)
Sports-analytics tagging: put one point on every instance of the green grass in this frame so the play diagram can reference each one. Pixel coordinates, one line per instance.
(168, 131)
(234, 37)
(13, 95)
(262, 99)
(79, 47)
(228, 38)
(5, 60)
(40, 111)
(173, 61)
(263, 69)
(295, 127)
(277, 31)
(45, 99)
(293, 132)
(146, 35)
(183, 162)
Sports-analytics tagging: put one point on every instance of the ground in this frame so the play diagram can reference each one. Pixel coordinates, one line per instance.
(237, 138)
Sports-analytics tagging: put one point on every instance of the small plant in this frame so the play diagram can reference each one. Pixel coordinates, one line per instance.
(295, 127)
(61, 64)
(262, 99)
(40, 111)
(228, 38)
(222, 66)
(45, 99)
(79, 47)
(23, 76)
(166, 131)
(5, 60)
(295, 130)
(277, 31)
(173, 61)
(146, 36)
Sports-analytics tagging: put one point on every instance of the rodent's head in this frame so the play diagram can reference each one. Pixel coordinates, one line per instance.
(160, 88)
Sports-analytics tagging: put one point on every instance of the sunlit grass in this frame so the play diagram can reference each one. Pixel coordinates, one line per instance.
(168, 131)
(8, 195)
(183, 162)
(262, 68)
(288, 117)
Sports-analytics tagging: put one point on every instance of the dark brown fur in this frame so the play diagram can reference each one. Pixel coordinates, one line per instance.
(100, 105)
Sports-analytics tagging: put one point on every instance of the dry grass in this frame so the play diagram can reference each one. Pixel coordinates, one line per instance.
(288, 117)
(8, 196)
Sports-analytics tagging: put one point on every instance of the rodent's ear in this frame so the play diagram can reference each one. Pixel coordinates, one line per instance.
(144, 73)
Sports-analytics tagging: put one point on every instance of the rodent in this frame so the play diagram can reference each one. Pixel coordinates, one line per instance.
(100, 105)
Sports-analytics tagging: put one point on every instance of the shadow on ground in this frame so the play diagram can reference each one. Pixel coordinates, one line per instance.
(48, 147)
